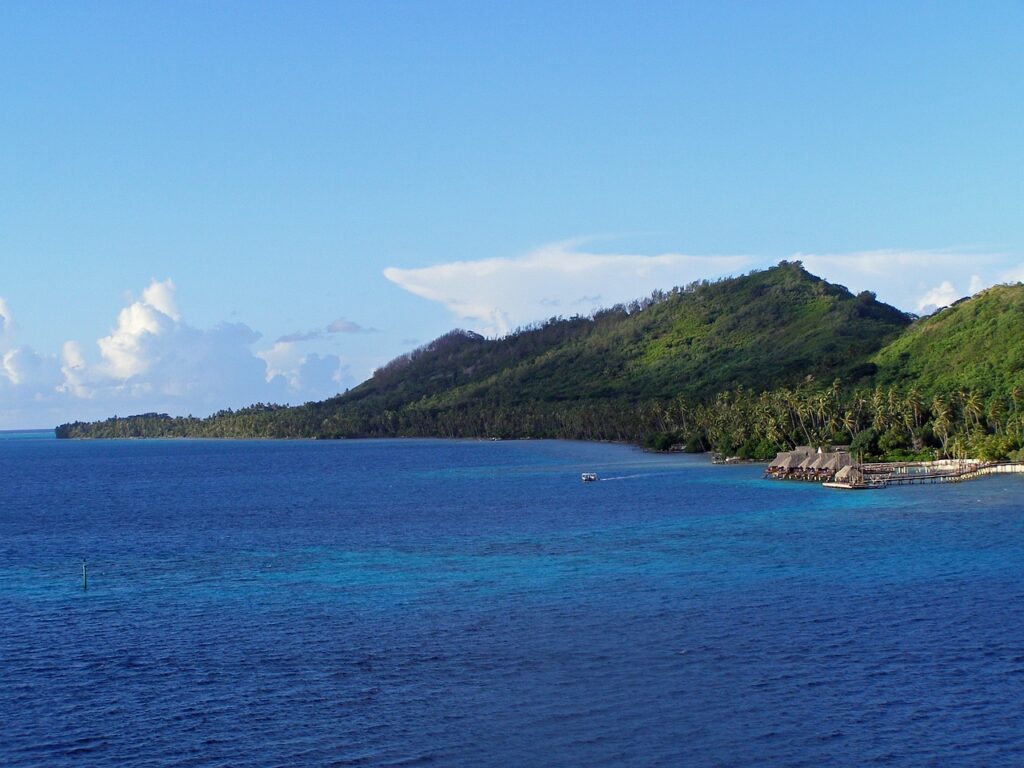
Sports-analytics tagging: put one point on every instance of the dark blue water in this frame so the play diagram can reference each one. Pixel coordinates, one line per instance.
(474, 604)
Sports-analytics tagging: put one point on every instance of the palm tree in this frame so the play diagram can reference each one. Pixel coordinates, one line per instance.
(972, 407)
(941, 422)
(915, 404)
(996, 415)
(879, 417)
(849, 423)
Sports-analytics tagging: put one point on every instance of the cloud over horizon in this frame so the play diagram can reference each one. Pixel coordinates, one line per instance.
(494, 295)
(498, 294)
(915, 280)
(153, 360)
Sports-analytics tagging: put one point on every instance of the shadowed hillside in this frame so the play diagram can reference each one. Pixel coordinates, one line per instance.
(597, 377)
(744, 366)
(759, 331)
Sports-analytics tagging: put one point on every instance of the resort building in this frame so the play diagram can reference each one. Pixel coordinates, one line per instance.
(812, 464)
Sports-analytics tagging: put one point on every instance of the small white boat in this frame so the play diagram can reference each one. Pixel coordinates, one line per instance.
(588, 477)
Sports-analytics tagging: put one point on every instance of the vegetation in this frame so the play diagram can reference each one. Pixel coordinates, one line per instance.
(744, 366)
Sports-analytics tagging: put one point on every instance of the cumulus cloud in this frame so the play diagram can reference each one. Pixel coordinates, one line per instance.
(160, 296)
(495, 295)
(907, 278)
(129, 349)
(153, 354)
(947, 293)
(153, 360)
(941, 296)
(73, 369)
(22, 367)
(298, 371)
(28, 380)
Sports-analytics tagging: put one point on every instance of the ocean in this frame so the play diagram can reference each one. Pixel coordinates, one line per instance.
(472, 603)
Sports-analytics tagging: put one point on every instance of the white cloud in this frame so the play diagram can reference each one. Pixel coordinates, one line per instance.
(941, 296)
(907, 278)
(153, 355)
(160, 296)
(73, 369)
(495, 295)
(946, 293)
(1014, 274)
(127, 351)
(24, 368)
(26, 378)
(325, 375)
(152, 360)
(305, 372)
(6, 322)
(28, 385)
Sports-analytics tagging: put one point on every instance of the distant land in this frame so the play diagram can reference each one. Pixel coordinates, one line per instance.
(744, 366)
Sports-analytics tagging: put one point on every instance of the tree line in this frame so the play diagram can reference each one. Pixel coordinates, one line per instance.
(879, 423)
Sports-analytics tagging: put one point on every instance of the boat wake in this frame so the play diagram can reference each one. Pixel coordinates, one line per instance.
(623, 477)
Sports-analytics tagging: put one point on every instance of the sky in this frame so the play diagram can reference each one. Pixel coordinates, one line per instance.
(205, 205)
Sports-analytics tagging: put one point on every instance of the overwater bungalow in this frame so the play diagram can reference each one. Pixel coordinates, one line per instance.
(787, 463)
(834, 463)
(849, 474)
(805, 463)
(806, 467)
(818, 467)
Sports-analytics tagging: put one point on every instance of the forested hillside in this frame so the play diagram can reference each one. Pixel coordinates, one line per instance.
(976, 344)
(744, 366)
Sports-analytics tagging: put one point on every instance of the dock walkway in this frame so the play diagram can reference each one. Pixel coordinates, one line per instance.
(956, 476)
(836, 470)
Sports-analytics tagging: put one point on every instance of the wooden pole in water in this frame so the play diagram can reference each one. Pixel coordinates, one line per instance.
(85, 576)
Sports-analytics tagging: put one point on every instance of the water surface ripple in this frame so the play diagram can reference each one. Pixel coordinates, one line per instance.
(400, 603)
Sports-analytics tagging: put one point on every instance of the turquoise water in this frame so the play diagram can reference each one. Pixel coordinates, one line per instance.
(27, 434)
(472, 603)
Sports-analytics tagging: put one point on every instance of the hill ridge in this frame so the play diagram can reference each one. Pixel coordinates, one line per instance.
(799, 358)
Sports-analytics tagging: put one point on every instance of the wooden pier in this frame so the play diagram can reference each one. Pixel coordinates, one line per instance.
(882, 475)
(956, 476)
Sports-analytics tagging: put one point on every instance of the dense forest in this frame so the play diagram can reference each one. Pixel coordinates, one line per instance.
(744, 366)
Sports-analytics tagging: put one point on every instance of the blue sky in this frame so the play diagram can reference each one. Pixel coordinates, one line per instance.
(205, 204)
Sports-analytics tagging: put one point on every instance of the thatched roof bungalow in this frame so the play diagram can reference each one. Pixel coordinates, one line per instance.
(849, 474)
(807, 463)
(791, 462)
(837, 461)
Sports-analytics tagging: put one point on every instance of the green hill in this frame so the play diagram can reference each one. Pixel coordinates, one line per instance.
(606, 376)
(765, 329)
(745, 366)
(975, 344)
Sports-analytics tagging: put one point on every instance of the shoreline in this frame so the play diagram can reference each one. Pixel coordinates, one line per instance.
(875, 475)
